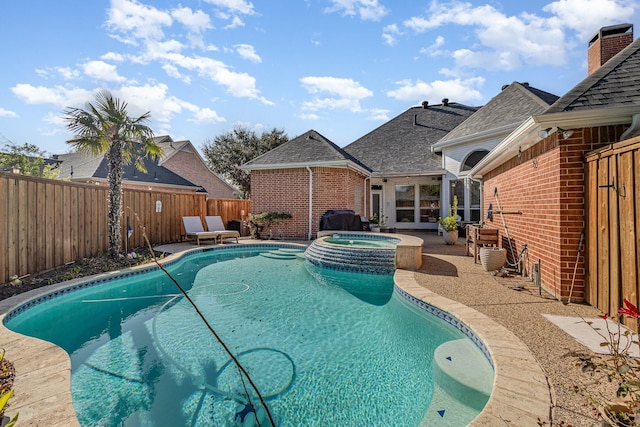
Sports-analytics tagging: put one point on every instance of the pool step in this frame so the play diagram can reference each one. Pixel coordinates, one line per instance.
(283, 253)
(456, 370)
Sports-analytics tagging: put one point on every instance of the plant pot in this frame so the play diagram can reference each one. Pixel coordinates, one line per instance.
(374, 228)
(450, 237)
(492, 258)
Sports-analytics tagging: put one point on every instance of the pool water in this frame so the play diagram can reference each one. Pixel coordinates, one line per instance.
(362, 241)
(320, 353)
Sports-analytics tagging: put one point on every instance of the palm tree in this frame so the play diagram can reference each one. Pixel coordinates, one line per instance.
(105, 128)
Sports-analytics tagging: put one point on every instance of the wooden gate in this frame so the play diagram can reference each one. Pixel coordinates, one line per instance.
(613, 217)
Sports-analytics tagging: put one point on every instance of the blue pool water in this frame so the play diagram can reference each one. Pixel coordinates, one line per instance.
(362, 241)
(325, 348)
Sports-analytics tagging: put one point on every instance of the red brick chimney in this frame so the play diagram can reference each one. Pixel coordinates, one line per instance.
(606, 43)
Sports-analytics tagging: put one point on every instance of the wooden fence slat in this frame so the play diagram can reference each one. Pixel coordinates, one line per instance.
(603, 237)
(614, 239)
(4, 227)
(628, 252)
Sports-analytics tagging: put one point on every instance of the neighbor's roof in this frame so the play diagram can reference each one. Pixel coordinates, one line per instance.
(501, 115)
(403, 144)
(78, 166)
(308, 149)
(614, 84)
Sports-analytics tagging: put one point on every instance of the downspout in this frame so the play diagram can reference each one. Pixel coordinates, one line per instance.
(635, 124)
(364, 184)
(310, 203)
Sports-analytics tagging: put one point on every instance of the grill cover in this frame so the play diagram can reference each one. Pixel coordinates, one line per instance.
(340, 219)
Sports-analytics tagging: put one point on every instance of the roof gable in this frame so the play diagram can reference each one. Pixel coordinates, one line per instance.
(309, 148)
(403, 144)
(614, 84)
(508, 109)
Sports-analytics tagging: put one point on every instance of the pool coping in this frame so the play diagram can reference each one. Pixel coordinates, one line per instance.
(521, 394)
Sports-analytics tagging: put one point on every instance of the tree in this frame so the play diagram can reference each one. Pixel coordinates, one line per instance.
(29, 158)
(228, 151)
(105, 128)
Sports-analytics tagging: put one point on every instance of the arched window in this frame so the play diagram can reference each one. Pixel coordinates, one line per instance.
(473, 159)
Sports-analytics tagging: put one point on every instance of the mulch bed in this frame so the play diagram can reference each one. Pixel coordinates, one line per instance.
(73, 270)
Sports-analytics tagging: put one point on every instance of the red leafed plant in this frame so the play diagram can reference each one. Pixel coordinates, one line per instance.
(620, 368)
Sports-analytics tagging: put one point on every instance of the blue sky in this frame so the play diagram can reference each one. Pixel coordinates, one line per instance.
(341, 67)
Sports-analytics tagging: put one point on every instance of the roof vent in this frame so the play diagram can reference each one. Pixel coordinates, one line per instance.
(504, 87)
(425, 104)
(525, 84)
(445, 101)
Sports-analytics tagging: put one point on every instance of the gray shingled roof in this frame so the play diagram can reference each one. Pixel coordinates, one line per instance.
(403, 144)
(615, 84)
(310, 147)
(86, 166)
(514, 104)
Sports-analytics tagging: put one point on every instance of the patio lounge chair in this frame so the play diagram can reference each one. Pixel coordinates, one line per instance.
(193, 228)
(214, 223)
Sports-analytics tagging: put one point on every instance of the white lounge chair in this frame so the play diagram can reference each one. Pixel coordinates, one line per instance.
(193, 228)
(214, 223)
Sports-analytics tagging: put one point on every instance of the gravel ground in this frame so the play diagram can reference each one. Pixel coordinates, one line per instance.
(447, 271)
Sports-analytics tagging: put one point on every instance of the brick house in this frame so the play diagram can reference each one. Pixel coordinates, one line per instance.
(181, 169)
(539, 168)
(305, 177)
(473, 139)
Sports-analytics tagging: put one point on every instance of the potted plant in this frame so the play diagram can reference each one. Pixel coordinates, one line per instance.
(375, 223)
(449, 224)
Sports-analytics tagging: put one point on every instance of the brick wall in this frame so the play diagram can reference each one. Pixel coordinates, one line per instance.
(546, 183)
(188, 166)
(287, 190)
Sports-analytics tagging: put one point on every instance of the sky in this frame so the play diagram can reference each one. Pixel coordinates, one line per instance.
(340, 67)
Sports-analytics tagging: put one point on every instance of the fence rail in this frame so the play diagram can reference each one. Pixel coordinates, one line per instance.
(613, 221)
(48, 223)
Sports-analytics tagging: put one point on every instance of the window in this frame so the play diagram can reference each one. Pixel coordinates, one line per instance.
(429, 202)
(405, 203)
(474, 206)
(456, 188)
(473, 159)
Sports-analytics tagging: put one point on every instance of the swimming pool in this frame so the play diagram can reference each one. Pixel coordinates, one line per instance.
(324, 355)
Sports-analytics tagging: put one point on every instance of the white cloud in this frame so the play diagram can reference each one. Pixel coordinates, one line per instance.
(207, 115)
(112, 56)
(7, 113)
(241, 85)
(59, 96)
(234, 6)
(434, 49)
(347, 93)
(503, 39)
(100, 70)
(236, 22)
(458, 90)
(173, 71)
(588, 16)
(135, 20)
(378, 114)
(68, 73)
(196, 22)
(248, 52)
(389, 34)
(368, 10)
(308, 116)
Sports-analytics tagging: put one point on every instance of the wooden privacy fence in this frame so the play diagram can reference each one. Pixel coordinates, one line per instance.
(47, 223)
(229, 209)
(613, 218)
